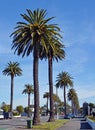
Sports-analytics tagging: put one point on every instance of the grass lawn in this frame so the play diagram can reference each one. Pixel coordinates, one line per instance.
(50, 125)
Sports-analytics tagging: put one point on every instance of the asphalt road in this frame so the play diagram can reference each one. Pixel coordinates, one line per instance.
(17, 123)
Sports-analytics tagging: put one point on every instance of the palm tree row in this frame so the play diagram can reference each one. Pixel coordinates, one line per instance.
(42, 39)
(37, 36)
(72, 96)
(56, 100)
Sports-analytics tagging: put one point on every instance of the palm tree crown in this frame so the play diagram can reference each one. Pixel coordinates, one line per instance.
(28, 89)
(64, 79)
(34, 31)
(12, 69)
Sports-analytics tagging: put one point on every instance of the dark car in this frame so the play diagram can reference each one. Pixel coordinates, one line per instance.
(67, 116)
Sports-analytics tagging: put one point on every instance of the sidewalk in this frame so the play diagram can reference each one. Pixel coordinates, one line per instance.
(76, 124)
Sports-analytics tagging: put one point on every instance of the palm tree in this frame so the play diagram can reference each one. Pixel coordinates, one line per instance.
(47, 95)
(55, 52)
(64, 80)
(12, 70)
(56, 99)
(28, 90)
(72, 97)
(30, 37)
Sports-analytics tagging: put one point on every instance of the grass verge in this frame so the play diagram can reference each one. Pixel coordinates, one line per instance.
(50, 125)
(91, 118)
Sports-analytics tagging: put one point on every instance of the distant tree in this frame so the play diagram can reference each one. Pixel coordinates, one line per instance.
(20, 109)
(91, 105)
(6, 108)
(72, 96)
(26, 110)
(56, 100)
(28, 90)
(47, 95)
(12, 70)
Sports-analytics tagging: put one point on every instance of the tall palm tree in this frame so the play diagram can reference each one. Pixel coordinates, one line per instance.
(55, 52)
(28, 90)
(12, 70)
(64, 80)
(29, 37)
(47, 95)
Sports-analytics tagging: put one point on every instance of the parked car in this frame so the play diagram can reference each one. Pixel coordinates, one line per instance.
(67, 116)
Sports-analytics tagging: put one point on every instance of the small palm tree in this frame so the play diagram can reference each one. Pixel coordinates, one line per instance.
(28, 90)
(12, 70)
(64, 80)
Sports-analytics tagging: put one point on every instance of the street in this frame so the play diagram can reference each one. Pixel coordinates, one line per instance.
(17, 123)
(21, 123)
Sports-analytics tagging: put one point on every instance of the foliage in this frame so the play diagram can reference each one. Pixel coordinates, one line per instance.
(20, 109)
(12, 69)
(6, 108)
(28, 89)
(91, 105)
(26, 110)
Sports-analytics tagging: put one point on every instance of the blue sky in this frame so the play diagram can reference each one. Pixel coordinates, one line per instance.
(76, 19)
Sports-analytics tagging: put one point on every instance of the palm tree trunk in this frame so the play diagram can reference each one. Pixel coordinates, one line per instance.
(36, 118)
(47, 105)
(11, 98)
(51, 118)
(28, 105)
(72, 106)
(56, 91)
(65, 99)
